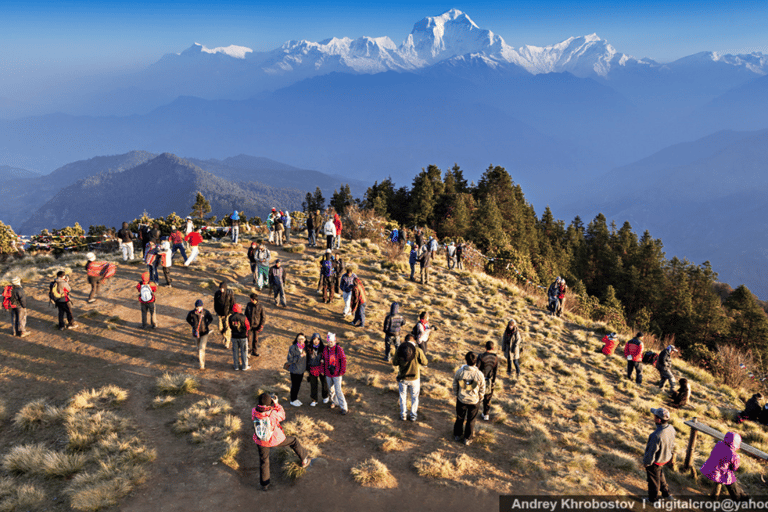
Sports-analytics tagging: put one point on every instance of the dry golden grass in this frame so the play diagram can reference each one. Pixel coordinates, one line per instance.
(15, 496)
(3, 411)
(98, 398)
(176, 383)
(37, 413)
(86, 429)
(208, 424)
(163, 401)
(104, 486)
(434, 465)
(372, 473)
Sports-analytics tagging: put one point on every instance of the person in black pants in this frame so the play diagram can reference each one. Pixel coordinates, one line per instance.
(297, 365)
(488, 363)
(469, 388)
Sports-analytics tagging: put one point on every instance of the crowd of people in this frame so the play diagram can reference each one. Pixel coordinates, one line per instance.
(322, 360)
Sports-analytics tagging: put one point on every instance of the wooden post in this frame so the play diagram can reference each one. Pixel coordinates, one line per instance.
(691, 446)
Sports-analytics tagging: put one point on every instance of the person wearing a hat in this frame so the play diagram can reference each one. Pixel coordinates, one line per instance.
(664, 365)
(18, 309)
(609, 344)
(329, 228)
(335, 366)
(189, 227)
(752, 409)
(287, 222)
(279, 228)
(200, 319)
(262, 256)
(147, 290)
(659, 452)
(277, 281)
(94, 279)
(561, 289)
(271, 225)
(633, 351)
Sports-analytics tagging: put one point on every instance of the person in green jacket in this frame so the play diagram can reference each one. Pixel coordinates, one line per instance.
(409, 358)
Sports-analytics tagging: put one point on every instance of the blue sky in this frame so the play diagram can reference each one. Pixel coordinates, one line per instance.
(64, 37)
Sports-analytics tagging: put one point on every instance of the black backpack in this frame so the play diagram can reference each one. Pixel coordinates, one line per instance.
(650, 357)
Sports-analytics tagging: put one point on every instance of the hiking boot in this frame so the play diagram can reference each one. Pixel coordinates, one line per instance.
(486, 417)
(296, 403)
(402, 418)
(305, 463)
(467, 442)
(313, 404)
(247, 368)
(325, 400)
(24, 334)
(412, 418)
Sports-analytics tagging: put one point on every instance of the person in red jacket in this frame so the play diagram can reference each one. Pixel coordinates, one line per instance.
(633, 351)
(147, 290)
(337, 223)
(610, 341)
(194, 239)
(269, 434)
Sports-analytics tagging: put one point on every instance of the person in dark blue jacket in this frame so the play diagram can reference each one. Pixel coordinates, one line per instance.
(412, 259)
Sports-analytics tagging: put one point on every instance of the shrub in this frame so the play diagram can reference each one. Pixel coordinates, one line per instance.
(176, 383)
(372, 473)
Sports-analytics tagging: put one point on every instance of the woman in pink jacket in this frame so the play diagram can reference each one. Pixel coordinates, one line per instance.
(268, 433)
(723, 463)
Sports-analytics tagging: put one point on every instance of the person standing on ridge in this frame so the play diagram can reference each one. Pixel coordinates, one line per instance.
(664, 365)
(235, 222)
(337, 225)
(488, 363)
(147, 290)
(59, 294)
(346, 283)
(223, 300)
(176, 240)
(256, 316)
(18, 308)
(200, 319)
(633, 351)
(358, 302)
(409, 359)
(659, 452)
(329, 228)
(239, 327)
(393, 322)
(335, 366)
(126, 242)
(277, 279)
(469, 388)
(511, 343)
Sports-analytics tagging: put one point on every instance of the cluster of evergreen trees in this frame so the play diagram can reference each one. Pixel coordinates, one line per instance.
(615, 275)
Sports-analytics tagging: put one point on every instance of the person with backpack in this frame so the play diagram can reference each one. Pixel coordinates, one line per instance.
(460, 256)
(412, 259)
(659, 451)
(338, 270)
(338, 226)
(147, 290)
(552, 292)
(15, 301)
(511, 344)
(150, 260)
(58, 293)
(488, 363)
(200, 320)
(256, 316)
(609, 344)
(326, 276)
(722, 464)
(425, 262)
(239, 326)
(164, 258)
(409, 359)
(176, 240)
(296, 364)
(125, 237)
(393, 322)
(268, 434)
(334, 368)
(271, 225)
(279, 229)
(277, 280)
(469, 388)
(234, 220)
(194, 239)
(664, 365)
(358, 302)
(315, 367)
(95, 279)
(330, 232)
(633, 351)
(450, 255)
(223, 300)
(262, 256)
(561, 289)
(346, 284)
(422, 331)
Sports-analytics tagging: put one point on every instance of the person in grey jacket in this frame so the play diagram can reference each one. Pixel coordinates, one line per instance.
(659, 452)
(297, 365)
(511, 340)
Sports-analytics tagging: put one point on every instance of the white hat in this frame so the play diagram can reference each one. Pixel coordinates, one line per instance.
(330, 337)
(90, 256)
(16, 281)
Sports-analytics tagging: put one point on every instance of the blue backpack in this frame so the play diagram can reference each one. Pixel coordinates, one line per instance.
(327, 268)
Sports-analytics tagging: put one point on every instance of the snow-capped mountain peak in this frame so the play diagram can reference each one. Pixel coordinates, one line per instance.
(234, 51)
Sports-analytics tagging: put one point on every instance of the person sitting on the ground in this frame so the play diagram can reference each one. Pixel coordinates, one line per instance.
(752, 409)
(269, 434)
(682, 395)
(610, 341)
(722, 464)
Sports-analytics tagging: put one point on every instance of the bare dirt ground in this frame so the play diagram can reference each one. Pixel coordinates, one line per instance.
(111, 348)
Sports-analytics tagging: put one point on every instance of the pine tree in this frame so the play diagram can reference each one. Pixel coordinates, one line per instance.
(489, 235)
(201, 207)
(749, 325)
(313, 202)
(341, 199)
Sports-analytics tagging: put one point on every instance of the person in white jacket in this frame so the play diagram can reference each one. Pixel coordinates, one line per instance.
(330, 232)
(165, 253)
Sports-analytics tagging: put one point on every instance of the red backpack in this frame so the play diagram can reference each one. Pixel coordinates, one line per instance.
(7, 297)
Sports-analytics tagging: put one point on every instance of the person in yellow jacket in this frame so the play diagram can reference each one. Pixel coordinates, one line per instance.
(469, 388)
